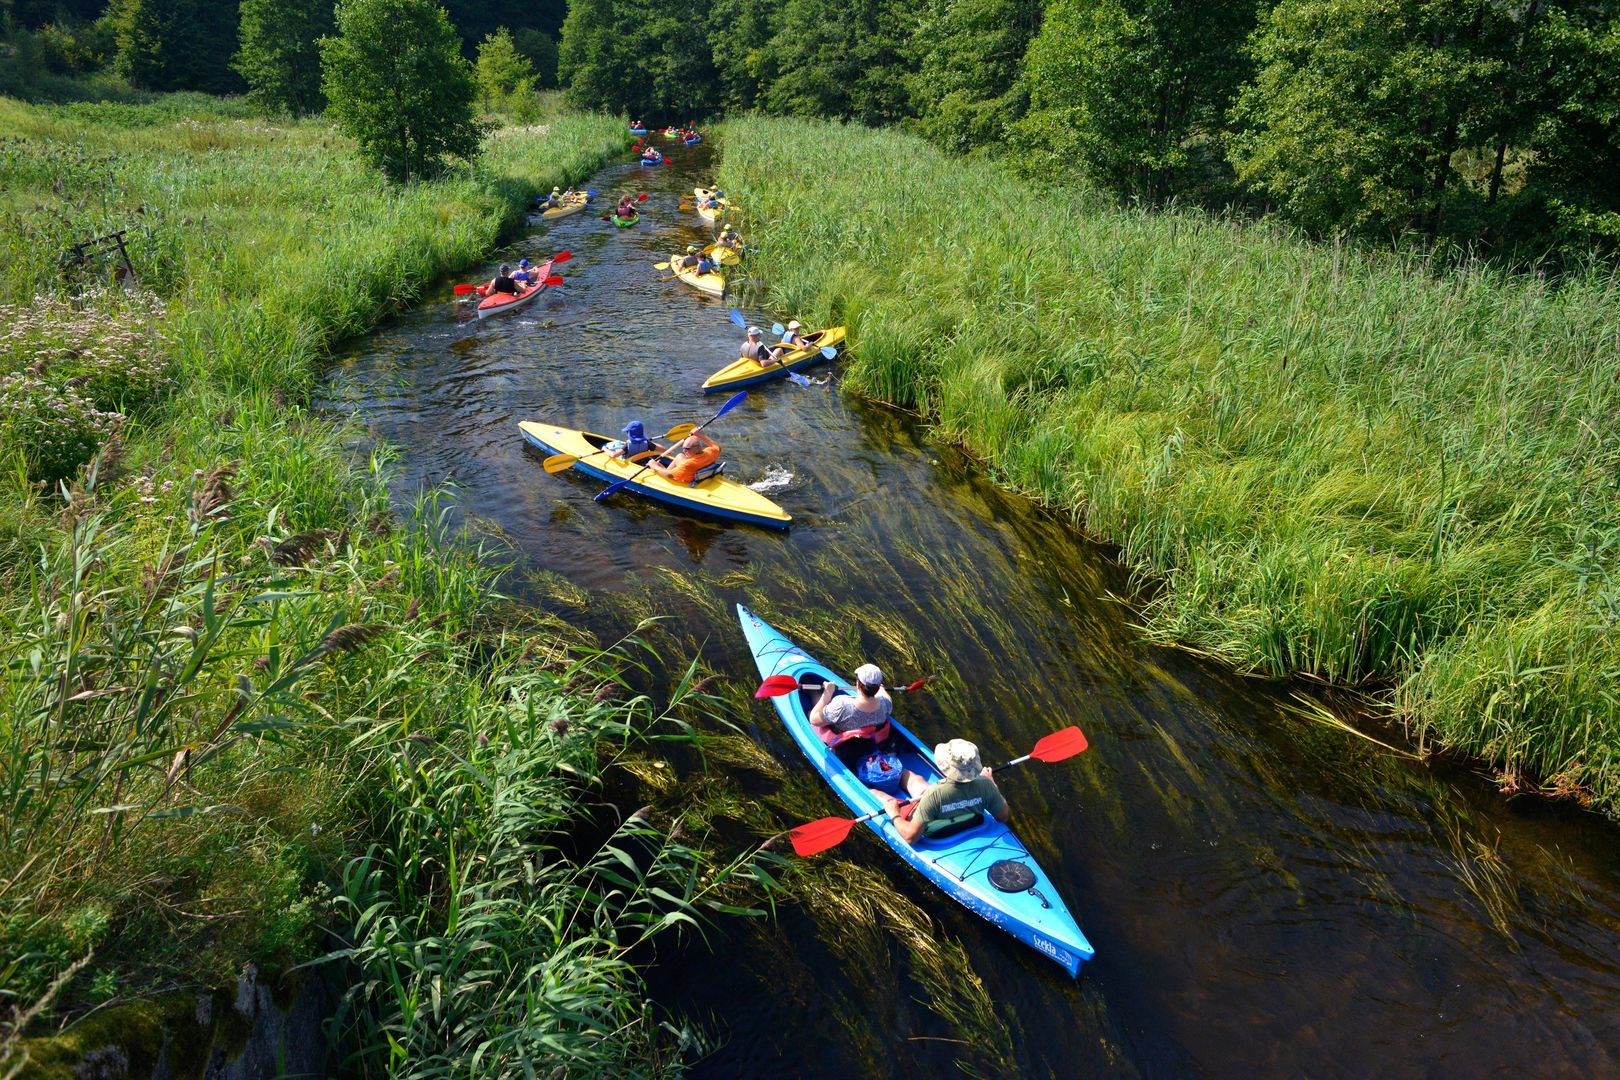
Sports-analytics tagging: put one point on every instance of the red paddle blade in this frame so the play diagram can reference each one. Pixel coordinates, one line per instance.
(642, 197)
(776, 686)
(919, 684)
(562, 256)
(554, 280)
(463, 290)
(1059, 745)
(820, 835)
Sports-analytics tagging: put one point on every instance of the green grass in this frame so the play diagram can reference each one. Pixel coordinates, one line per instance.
(1327, 462)
(248, 713)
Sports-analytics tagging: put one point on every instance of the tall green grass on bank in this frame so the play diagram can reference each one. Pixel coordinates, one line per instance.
(1339, 465)
(248, 716)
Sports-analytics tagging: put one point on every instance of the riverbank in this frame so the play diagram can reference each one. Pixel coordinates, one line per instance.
(251, 716)
(1336, 464)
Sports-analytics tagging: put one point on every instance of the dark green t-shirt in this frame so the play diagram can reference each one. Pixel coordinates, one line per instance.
(947, 799)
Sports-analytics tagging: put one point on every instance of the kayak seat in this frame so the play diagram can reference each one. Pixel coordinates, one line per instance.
(707, 471)
(954, 825)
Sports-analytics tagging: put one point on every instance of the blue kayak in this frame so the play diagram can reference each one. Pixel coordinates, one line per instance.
(961, 864)
(638, 131)
(659, 160)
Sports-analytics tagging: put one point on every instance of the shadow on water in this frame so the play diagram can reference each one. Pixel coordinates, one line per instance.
(1266, 892)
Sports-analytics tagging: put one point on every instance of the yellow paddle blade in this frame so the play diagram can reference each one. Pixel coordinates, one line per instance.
(679, 431)
(556, 463)
(661, 266)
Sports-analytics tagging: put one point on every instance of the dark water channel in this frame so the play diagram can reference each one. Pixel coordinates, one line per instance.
(1267, 893)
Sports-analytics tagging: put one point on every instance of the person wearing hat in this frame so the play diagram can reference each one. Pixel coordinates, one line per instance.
(503, 282)
(966, 791)
(755, 349)
(523, 274)
(554, 200)
(689, 260)
(635, 443)
(792, 341)
(681, 467)
(854, 727)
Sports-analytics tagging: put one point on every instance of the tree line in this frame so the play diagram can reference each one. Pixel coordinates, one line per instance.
(1493, 124)
(166, 45)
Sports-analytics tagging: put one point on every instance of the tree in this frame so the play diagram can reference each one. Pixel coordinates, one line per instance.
(503, 72)
(280, 55)
(1128, 89)
(541, 49)
(176, 44)
(842, 59)
(966, 92)
(739, 38)
(1357, 108)
(594, 61)
(398, 84)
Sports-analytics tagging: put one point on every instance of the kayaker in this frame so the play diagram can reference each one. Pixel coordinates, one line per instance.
(682, 466)
(966, 790)
(634, 444)
(649, 154)
(523, 274)
(627, 208)
(690, 260)
(554, 200)
(755, 348)
(503, 282)
(792, 341)
(857, 726)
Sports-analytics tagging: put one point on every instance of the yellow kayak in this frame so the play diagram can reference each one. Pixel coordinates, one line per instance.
(715, 496)
(722, 255)
(740, 373)
(711, 283)
(567, 209)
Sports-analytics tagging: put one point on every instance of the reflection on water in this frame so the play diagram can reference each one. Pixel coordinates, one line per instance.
(1267, 893)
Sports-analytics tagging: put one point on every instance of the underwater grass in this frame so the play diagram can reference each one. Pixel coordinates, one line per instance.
(1340, 464)
(245, 707)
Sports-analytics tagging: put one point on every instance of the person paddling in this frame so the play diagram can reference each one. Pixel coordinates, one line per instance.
(755, 348)
(523, 274)
(854, 726)
(627, 208)
(966, 791)
(695, 453)
(503, 282)
(792, 341)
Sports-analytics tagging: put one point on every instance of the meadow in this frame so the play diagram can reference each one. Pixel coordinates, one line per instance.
(252, 713)
(1357, 467)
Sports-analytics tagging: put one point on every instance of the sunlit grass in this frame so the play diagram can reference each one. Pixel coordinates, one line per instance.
(1341, 464)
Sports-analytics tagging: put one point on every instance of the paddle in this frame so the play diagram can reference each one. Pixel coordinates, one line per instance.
(737, 399)
(560, 257)
(777, 685)
(556, 463)
(829, 832)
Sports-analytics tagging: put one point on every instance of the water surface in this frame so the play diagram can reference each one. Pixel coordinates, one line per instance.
(1267, 893)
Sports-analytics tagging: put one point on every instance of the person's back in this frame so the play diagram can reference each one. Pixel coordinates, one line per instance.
(755, 348)
(692, 457)
(503, 282)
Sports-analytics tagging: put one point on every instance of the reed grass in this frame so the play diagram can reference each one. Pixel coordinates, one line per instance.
(247, 706)
(1347, 465)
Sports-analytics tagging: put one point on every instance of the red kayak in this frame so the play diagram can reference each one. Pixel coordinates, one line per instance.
(494, 305)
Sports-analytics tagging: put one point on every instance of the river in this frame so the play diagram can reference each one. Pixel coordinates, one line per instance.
(1267, 892)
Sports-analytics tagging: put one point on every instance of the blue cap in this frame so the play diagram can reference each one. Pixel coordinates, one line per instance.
(635, 430)
(523, 262)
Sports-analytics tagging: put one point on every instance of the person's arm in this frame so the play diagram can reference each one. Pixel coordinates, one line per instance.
(1001, 813)
(818, 712)
(909, 829)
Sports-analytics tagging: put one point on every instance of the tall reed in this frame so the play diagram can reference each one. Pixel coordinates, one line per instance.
(246, 708)
(1339, 464)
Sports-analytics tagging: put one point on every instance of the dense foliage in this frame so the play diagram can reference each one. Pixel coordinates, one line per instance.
(398, 85)
(280, 55)
(1472, 122)
(1343, 463)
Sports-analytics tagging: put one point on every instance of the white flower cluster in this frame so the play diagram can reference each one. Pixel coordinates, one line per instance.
(70, 369)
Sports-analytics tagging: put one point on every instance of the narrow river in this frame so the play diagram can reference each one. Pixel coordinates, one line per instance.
(1267, 893)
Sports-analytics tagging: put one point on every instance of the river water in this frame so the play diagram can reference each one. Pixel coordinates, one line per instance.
(1267, 892)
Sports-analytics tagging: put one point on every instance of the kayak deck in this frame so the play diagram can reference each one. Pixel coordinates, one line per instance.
(716, 496)
(958, 864)
(742, 372)
(712, 283)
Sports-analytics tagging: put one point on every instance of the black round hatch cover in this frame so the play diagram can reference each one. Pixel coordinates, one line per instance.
(1010, 876)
